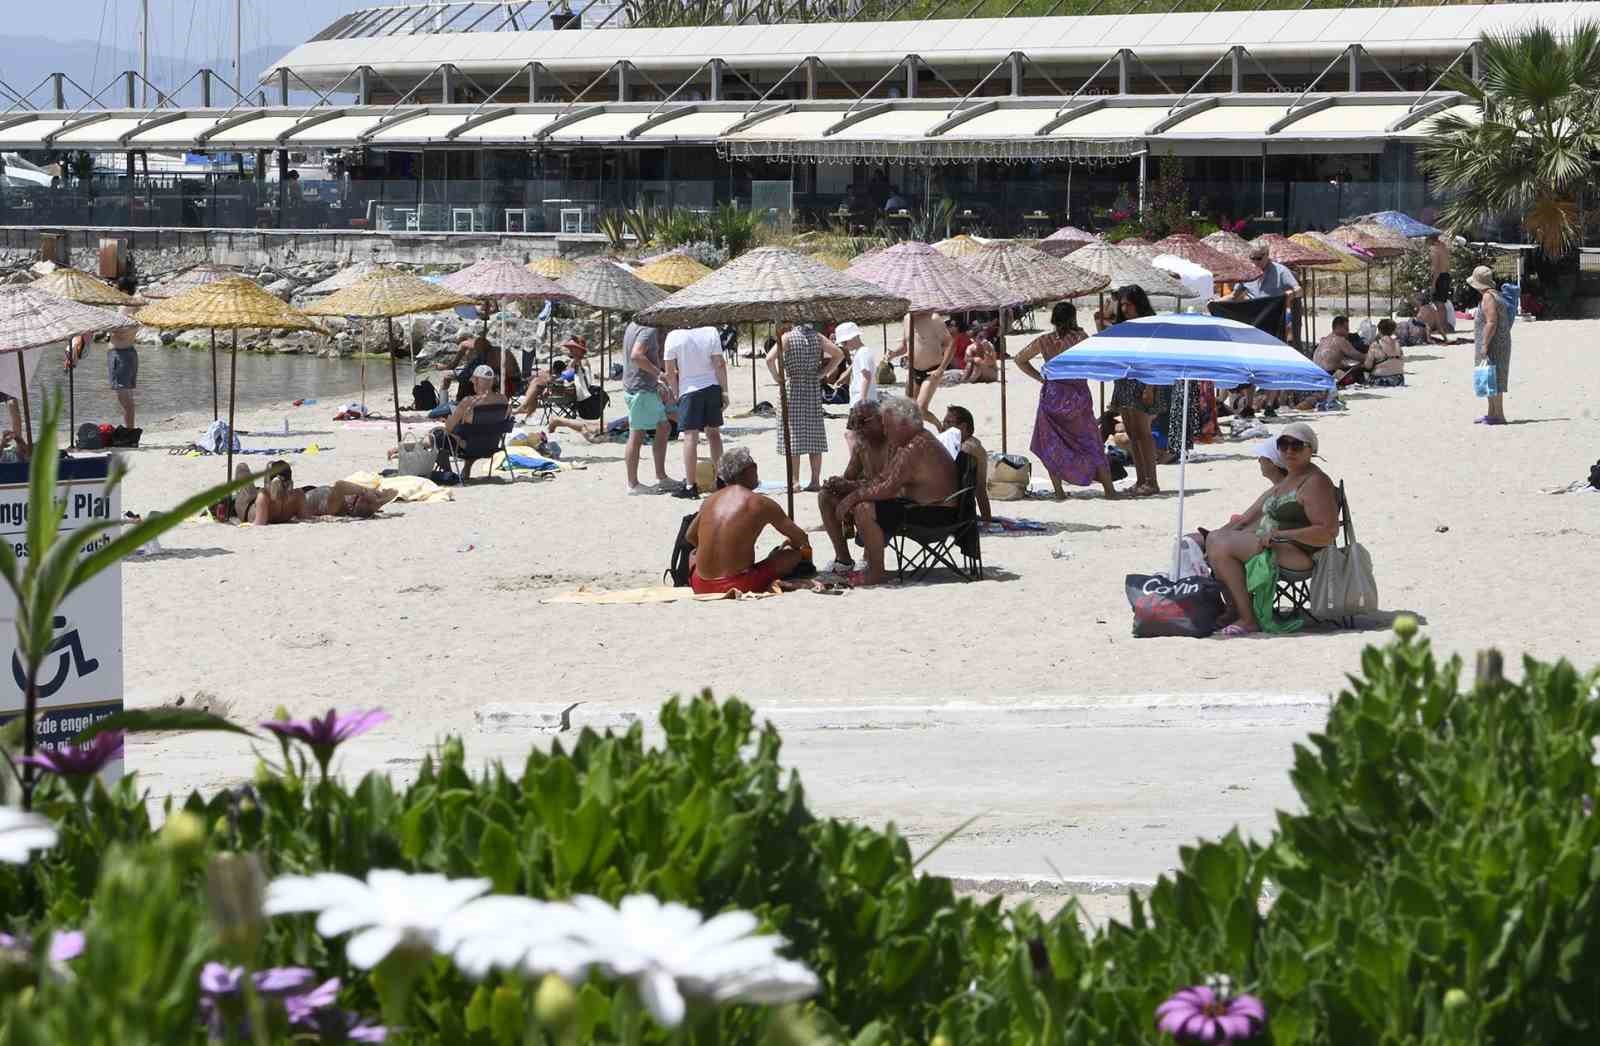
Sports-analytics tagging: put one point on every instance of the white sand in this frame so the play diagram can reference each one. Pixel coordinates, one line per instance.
(399, 612)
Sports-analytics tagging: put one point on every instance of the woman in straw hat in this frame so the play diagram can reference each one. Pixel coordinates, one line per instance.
(1491, 335)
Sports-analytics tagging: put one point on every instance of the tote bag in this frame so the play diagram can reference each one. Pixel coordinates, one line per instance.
(1342, 584)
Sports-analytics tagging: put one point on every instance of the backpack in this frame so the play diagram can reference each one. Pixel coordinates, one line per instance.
(677, 572)
(1511, 298)
(1594, 475)
(424, 396)
(122, 436)
(89, 436)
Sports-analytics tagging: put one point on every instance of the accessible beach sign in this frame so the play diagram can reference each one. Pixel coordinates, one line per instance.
(81, 680)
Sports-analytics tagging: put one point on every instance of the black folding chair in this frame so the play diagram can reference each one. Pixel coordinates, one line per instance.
(943, 535)
(1294, 586)
(482, 437)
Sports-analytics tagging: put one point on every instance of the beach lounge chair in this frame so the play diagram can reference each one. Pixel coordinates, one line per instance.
(482, 437)
(944, 535)
(1294, 586)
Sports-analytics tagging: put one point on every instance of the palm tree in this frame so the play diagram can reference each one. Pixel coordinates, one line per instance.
(1533, 143)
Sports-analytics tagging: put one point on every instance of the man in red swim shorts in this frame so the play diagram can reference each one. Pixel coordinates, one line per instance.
(725, 530)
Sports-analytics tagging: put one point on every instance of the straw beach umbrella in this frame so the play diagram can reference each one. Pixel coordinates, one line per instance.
(777, 285)
(1121, 267)
(77, 285)
(604, 284)
(553, 267)
(958, 246)
(233, 304)
(1228, 243)
(349, 276)
(1036, 279)
(836, 262)
(1380, 242)
(1349, 259)
(673, 271)
(384, 295)
(190, 278)
(1303, 258)
(500, 280)
(31, 318)
(1072, 234)
(1224, 268)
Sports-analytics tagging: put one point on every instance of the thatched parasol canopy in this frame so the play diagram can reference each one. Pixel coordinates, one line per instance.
(930, 281)
(777, 284)
(601, 283)
(958, 246)
(1374, 239)
(553, 267)
(1070, 234)
(1224, 268)
(836, 262)
(1033, 277)
(1348, 260)
(77, 285)
(387, 293)
(237, 303)
(190, 278)
(503, 280)
(1294, 254)
(348, 276)
(1122, 268)
(30, 317)
(675, 271)
(1228, 243)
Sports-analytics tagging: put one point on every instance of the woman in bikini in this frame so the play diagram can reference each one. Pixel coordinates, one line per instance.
(1297, 518)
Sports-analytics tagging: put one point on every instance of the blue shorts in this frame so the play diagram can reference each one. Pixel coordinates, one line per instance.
(645, 411)
(123, 365)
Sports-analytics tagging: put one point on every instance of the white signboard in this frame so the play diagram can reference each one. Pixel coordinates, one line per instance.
(81, 680)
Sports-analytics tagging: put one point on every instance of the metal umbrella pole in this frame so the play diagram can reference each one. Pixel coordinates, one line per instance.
(605, 355)
(394, 380)
(1000, 351)
(27, 412)
(233, 391)
(216, 409)
(753, 358)
(72, 397)
(1183, 464)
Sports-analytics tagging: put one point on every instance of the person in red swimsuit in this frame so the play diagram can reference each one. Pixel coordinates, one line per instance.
(725, 530)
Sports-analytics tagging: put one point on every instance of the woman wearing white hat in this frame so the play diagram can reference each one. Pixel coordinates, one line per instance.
(1491, 334)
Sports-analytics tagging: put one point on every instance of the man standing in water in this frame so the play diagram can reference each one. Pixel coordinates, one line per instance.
(122, 363)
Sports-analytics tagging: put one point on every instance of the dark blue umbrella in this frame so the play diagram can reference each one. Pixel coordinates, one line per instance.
(1401, 223)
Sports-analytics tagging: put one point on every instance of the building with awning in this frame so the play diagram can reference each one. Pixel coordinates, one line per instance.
(456, 117)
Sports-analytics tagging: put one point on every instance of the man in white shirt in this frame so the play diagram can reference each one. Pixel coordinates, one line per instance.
(863, 363)
(697, 375)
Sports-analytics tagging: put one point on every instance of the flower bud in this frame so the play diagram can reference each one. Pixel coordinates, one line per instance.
(939, 1040)
(1456, 1000)
(555, 1003)
(1405, 626)
(183, 832)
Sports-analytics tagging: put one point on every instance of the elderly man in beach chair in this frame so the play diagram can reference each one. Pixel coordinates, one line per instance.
(920, 472)
(725, 530)
(478, 425)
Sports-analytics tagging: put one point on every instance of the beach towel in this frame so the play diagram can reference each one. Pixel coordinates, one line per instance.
(528, 460)
(1261, 581)
(415, 489)
(1007, 525)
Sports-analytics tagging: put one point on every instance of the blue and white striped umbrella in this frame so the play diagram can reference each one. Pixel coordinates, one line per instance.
(1166, 350)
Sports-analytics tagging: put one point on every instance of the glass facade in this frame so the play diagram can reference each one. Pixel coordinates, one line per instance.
(567, 190)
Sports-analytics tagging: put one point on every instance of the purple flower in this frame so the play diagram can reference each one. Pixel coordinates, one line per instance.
(217, 980)
(1202, 1014)
(79, 761)
(65, 945)
(327, 733)
(302, 1009)
(342, 1025)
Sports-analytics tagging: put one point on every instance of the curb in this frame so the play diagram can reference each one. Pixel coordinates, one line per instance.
(1040, 886)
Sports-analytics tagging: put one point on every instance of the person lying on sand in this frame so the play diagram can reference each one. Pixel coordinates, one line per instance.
(725, 530)
(920, 472)
(278, 501)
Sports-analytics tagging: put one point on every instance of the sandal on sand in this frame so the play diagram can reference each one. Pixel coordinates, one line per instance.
(1235, 630)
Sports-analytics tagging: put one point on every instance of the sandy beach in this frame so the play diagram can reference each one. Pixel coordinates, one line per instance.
(435, 611)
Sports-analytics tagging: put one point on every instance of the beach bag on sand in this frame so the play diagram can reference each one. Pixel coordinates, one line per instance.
(424, 397)
(1342, 584)
(89, 436)
(417, 457)
(1009, 476)
(1188, 607)
(677, 572)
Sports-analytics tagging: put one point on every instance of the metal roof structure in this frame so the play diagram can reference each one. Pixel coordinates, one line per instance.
(403, 45)
(908, 129)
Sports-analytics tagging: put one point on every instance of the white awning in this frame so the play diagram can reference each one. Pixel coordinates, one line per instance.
(103, 133)
(510, 128)
(601, 127)
(30, 134)
(429, 128)
(692, 127)
(1227, 121)
(259, 133)
(339, 131)
(175, 134)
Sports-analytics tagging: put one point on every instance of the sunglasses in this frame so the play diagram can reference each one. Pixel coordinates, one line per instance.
(1290, 444)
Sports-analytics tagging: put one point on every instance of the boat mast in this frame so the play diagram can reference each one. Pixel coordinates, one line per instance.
(238, 36)
(144, 49)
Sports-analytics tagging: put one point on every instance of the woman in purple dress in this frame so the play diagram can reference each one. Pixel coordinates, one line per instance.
(1066, 436)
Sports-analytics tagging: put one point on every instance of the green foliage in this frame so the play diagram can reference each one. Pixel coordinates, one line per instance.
(733, 228)
(1166, 209)
(613, 225)
(932, 223)
(1531, 148)
(682, 226)
(1413, 271)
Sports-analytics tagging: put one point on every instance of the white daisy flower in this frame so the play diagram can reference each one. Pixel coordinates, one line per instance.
(391, 911)
(22, 832)
(517, 933)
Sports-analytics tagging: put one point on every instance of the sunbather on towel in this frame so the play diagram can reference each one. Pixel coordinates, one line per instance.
(920, 472)
(725, 530)
(279, 501)
(342, 499)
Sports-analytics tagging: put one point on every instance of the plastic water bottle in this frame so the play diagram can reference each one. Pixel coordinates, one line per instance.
(1061, 549)
(286, 424)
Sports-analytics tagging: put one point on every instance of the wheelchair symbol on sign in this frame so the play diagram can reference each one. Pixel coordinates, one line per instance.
(69, 645)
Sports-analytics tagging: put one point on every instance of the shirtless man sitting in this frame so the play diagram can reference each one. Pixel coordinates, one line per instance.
(920, 472)
(959, 420)
(983, 365)
(869, 452)
(725, 530)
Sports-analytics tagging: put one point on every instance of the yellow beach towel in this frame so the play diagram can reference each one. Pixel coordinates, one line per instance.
(416, 489)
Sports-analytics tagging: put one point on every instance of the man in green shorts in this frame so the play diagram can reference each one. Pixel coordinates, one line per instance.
(643, 385)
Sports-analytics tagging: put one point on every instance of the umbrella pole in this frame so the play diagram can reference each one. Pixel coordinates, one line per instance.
(1347, 294)
(753, 358)
(216, 409)
(911, 356)
(72, 402)
(394, 380)
(605, 344)
(1001, 353)
(233, 385)
(788, 445)
(1183, 463)
(27, 413)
